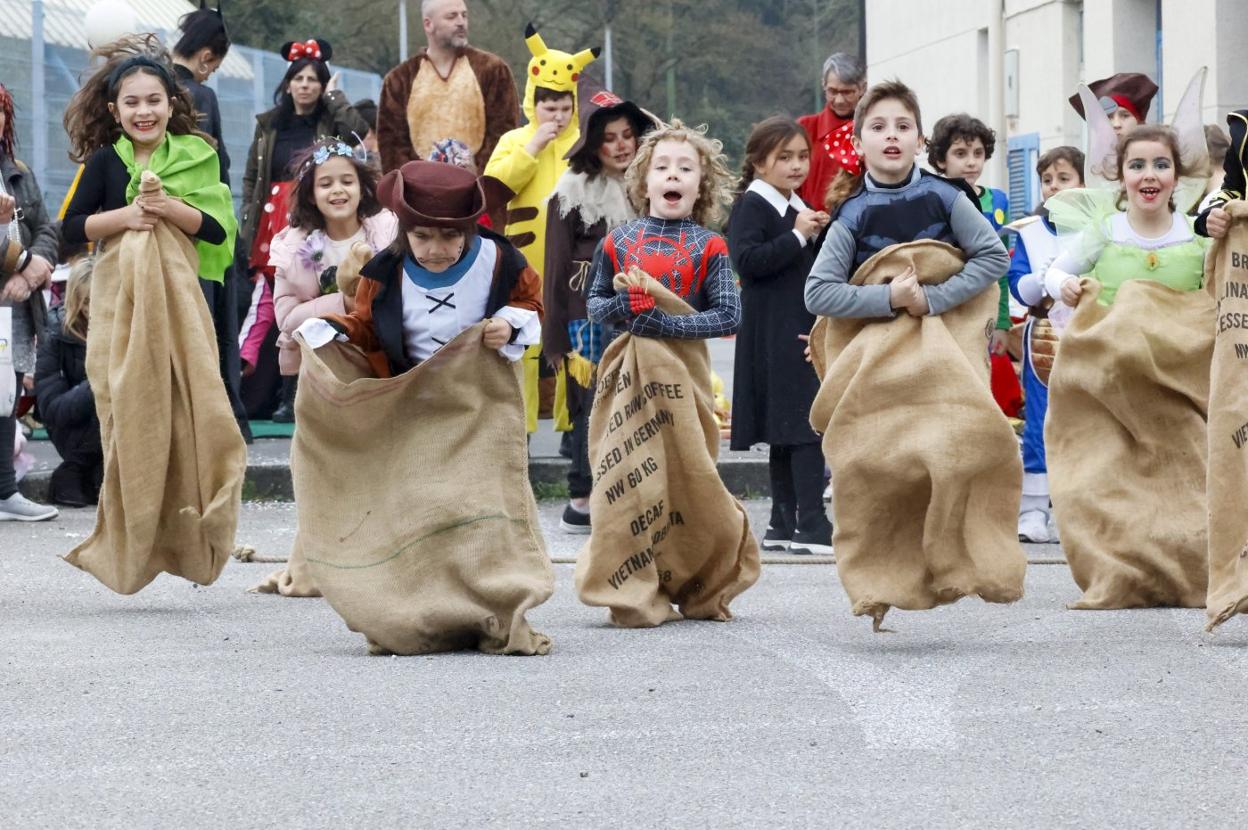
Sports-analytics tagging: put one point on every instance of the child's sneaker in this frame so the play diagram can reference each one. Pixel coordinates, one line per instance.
(1033, 526)
(574, 521)
(18, 508)
(775, 539)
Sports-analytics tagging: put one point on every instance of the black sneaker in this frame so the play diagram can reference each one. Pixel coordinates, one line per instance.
(574, 521)
(813, 544)
(775, 539)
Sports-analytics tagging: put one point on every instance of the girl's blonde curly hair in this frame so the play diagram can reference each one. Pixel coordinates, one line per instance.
(716, 186)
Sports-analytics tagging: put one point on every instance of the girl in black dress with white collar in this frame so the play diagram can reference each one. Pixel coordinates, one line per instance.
(771, 236)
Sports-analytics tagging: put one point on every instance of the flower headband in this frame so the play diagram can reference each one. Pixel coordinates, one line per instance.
(328, 149)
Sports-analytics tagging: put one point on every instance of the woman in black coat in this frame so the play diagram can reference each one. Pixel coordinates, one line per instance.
(770, 239)
(63, 395)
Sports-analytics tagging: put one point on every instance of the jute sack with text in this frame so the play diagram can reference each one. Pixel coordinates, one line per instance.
(1226, 274)
(926, 474)
(174, 459)
(416, 518)
(666, 531)
(1126, 443)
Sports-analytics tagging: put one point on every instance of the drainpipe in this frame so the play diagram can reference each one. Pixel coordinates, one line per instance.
(996, 92)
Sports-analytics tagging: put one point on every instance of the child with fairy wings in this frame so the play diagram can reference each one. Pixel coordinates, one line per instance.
(1131, 222)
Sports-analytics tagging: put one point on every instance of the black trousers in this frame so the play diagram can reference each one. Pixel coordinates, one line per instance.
(580, 476)
(223, 305)
(797, 489)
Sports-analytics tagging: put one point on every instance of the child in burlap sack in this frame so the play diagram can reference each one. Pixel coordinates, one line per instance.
(665, 529)
(1126, 432)
(151, 196)
(925, 469)
(418, 525)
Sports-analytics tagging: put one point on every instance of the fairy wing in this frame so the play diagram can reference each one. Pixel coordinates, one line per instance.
(1101, 165)
(1193, 149)
(1081, 217)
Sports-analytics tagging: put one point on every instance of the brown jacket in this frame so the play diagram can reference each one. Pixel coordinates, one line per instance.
(376, 325)
(498, 93)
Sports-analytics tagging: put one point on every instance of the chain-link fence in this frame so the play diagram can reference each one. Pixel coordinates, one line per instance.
(42, 89)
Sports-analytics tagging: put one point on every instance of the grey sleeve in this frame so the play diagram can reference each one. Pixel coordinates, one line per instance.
(828, 292)
(986, 258)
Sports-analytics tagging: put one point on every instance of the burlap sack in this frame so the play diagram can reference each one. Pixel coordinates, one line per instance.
(926, 474)
(416, 517)
(666, 530)
(1226, 274)
(294, 580)
(173, 457)
(1126, 445)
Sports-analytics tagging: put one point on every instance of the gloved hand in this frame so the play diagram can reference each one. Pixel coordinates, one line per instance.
(638, 300)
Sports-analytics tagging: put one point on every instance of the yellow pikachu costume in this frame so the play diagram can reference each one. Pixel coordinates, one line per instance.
(532, 179)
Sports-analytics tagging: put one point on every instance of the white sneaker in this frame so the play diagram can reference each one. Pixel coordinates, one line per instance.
(1033, 526)
(18, 508)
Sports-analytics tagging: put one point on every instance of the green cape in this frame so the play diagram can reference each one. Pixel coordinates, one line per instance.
(190, 170)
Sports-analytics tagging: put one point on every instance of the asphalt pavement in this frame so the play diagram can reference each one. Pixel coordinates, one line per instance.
(188, 706)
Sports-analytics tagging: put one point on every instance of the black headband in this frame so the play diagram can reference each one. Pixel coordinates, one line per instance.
(114, 77)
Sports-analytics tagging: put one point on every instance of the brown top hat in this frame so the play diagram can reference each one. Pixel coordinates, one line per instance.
(432, 194)
(1130, 90)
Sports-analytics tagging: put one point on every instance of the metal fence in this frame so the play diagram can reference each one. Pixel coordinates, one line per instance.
(42, 88)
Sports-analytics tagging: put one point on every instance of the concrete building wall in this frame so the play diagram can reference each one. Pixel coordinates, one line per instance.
(950, 53)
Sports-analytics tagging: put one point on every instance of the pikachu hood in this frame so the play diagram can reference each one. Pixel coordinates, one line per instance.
(552, 69)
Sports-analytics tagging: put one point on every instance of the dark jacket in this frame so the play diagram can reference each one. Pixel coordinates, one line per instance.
(337, 118)
(63, 395)
(376, 325)
(773, 385)
(1234, 184)
(40, 235)
(570, 246)
(209, 115)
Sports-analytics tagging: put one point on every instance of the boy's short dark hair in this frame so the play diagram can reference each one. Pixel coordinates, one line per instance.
(542, 93)
(1071, 155)
(893, 90)
(952, 128)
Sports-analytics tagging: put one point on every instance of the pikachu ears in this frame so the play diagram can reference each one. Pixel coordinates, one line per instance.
(553, 68)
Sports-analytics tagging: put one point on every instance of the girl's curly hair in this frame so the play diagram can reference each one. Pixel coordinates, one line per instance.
(716, 186)
(87, 120)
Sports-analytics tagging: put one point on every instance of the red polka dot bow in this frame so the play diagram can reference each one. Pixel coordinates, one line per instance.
(840, 148)
(308, 49)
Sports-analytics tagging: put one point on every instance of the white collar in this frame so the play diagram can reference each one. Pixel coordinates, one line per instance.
(775, 198)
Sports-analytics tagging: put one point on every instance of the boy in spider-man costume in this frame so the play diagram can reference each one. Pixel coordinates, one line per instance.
(679, 181)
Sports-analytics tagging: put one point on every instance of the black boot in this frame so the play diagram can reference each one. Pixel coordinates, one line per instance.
(285, 412)
(69, 486)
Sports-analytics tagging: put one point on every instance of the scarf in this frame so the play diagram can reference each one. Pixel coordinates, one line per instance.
(189, 170)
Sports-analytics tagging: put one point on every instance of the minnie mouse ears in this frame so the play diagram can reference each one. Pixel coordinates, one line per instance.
(312, 48)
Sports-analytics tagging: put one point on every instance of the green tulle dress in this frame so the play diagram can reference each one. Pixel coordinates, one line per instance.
(1085, 215)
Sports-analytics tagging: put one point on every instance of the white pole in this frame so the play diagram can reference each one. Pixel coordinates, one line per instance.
(38, 102)
(609, 57)
(402, 30)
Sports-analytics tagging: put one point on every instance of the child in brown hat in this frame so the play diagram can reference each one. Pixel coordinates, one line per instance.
(442, 274)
